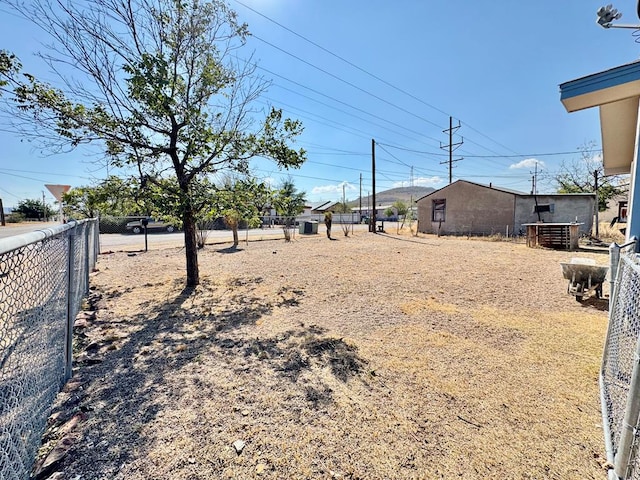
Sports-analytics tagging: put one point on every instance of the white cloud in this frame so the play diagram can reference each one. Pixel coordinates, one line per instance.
(420, 182)
(528, 163)
(334, 188)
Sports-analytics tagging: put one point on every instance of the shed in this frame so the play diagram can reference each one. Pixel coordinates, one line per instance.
(465, 207)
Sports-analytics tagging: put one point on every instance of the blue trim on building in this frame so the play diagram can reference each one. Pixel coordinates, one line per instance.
(633, 216)
(599, 81)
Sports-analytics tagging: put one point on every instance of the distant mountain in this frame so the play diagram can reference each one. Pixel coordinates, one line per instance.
(387, 197)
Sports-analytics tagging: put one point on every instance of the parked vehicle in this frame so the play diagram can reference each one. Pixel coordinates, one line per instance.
(137, 226)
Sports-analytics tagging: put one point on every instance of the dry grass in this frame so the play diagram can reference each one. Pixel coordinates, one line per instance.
(369, 357)
(611, 234)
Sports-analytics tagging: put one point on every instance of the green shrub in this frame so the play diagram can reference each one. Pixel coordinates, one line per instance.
(14, 217)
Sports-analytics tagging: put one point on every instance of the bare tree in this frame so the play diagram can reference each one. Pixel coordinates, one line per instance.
(579, 176)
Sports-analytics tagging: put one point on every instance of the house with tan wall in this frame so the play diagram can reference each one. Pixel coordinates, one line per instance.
(464, 207)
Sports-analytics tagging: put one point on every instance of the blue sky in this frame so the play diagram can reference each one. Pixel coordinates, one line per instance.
(494, 66)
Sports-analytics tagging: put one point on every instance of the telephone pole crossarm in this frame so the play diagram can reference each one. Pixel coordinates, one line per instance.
(451, 146)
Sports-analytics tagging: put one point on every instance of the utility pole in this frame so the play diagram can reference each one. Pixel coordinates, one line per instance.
(411, 198)
(44, 208)
(360, 209)
(595, 183)
(368, 212)
(451, 146)
(2, 220)
(534, 180)
(372, 219)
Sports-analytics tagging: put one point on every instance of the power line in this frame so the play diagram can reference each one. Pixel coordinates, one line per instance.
(341, 58)
(378, 78)
(270, 172)
(400, 161)
(372, 75)
(314, 162)
(353, 85)
(8, 192)
(333, 149)
(22, 176)
(336, 154)
(42, 173)
(364, 133)
(522, 155)
(342, 102)
(355, 116)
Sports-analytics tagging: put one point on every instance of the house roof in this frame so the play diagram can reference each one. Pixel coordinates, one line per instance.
(616, 92)
(378, 207)
(538, 195)
(506, 190)
(323, 206)
(512, 192)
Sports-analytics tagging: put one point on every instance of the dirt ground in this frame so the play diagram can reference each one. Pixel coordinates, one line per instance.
(366, 357)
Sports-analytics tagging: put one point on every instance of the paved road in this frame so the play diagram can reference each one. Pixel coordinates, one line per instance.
(19, 228)
(158, 240)
(117, 241)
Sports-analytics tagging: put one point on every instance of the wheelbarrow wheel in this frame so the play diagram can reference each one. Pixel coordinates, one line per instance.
(599, 291)
(578, 294)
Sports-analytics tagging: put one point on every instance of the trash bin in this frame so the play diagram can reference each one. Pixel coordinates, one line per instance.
(308, 228)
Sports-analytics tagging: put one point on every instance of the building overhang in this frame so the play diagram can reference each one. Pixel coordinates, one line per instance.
(616, 92)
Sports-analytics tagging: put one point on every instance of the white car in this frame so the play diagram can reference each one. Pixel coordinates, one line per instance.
(137, 226)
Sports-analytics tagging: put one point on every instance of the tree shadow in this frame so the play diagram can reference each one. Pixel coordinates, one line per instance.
(231, 249)
(118, 379)
(401, 239)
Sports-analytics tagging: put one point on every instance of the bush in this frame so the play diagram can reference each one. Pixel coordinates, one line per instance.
(15, 217)
(611, 234)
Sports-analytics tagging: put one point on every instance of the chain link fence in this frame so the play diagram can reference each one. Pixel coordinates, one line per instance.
(43, 278)
(620, 372)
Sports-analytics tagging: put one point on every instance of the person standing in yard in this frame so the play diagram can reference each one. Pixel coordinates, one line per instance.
(327, 223)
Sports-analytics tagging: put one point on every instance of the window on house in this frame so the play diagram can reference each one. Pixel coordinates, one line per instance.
(438, 210)
(543, 207)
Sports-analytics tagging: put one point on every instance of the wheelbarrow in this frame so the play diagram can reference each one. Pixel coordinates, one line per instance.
(585, 277)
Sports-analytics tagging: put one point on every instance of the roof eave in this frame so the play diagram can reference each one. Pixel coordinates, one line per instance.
(616, 92)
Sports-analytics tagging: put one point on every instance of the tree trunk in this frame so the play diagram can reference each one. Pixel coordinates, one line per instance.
(234, 229)
(191, 249)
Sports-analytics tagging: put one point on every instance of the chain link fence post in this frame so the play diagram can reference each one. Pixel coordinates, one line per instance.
(87, 260)
(70, 299)
(620, 371)
(614, 262)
